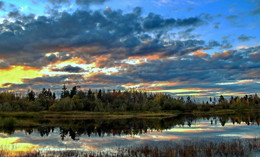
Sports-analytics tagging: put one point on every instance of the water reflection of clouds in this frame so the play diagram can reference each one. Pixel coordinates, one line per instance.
(193, 130)
(198, 129)
(3, 135)
(12, 146)
(238, 135)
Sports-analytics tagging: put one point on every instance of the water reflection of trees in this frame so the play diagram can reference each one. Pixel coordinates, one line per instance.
(132, 126)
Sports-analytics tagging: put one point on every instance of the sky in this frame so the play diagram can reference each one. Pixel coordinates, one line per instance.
(183, 47)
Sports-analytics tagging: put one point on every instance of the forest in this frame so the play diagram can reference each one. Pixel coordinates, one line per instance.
(116, 100)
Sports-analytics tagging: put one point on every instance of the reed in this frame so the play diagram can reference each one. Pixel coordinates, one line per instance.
(191, 148)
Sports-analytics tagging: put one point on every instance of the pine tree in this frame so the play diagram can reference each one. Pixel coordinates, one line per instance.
(64, 93)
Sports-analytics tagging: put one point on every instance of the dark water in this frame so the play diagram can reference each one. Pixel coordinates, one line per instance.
(108, 134)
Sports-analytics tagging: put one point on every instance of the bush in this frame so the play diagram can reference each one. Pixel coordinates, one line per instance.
(9, 123)
(65, 104)
(5, 107)
(35, 106)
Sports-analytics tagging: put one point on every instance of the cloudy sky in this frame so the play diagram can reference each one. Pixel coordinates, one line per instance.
(183, 47)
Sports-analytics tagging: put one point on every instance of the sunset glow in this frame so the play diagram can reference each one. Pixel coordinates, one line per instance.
(195, 50)
(16, 74)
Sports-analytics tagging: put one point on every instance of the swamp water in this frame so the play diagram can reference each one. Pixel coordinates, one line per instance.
(108, 136)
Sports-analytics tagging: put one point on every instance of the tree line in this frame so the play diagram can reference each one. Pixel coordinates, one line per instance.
(117, 100)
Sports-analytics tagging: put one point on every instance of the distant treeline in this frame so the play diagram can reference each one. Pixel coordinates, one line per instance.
(116, 100)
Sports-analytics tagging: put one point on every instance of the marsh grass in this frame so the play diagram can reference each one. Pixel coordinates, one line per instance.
(233, 148)
(191, 148)
(21, 114)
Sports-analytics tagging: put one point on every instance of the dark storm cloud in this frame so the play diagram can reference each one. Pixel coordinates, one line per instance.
(114, 79)
(47, 80)
(14, 14)
(70, 69)
(174, 48)
(36, 60)
(244, 38)
(220, 67)
(153, 22)
(107, 29)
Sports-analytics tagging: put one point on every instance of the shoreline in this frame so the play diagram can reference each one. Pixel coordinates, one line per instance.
(115, 115)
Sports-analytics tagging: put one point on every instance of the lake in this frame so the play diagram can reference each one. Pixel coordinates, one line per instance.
(110, 135)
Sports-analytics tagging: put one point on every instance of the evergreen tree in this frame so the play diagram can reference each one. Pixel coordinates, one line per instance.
(64, 93)
(99, 94)
(74, 91)
(31, 95)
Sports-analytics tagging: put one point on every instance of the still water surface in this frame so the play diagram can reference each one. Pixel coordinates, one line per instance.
(97, 135)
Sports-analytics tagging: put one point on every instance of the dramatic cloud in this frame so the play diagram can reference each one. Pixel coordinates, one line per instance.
(94, 44)
(70, 68)
(86, 28)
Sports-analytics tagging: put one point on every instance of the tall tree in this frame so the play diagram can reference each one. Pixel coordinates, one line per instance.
(31, 95)
(74, 91)
(64, 93)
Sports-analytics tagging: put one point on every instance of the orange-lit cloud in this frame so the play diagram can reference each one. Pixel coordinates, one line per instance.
(193, 94)
(200, 53)
(238, 82)
(165, 84)
(149, 57)
(223, 54)
(16, 74)
(141, 59)
(90, 68)
(242, 47)
(74, 60)
(184, 90)
(150, 86)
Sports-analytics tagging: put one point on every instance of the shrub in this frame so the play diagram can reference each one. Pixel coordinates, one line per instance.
(65, 104)
(9, 123)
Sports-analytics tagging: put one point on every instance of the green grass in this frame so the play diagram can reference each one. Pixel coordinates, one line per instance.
(116, 115)
(111, 115)
(21, 114)
(9, 123)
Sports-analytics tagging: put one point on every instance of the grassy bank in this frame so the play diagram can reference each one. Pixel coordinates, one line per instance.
(84, 114)
(119, 115)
